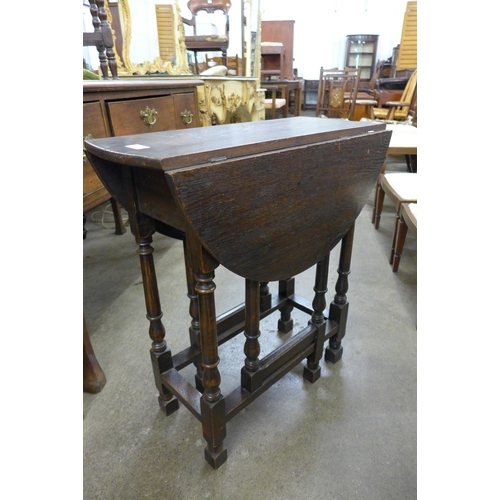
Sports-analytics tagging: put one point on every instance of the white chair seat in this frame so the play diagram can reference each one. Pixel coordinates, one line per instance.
(403, 183)
(279, 103)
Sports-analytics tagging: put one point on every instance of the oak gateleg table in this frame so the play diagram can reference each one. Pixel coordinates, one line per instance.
(267, 200)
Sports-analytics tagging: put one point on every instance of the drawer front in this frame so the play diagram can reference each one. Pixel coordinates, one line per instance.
(185, 112)
(93, 120)
(93, 124)
(130, 117)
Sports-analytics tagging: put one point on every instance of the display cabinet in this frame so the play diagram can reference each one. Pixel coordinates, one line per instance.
(361, 52)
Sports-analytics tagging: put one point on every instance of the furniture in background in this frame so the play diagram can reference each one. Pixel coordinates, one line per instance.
(272, 61)
(221, 99)
(234, 64)
(406, 56)
(398, 110)
(337, 93)
(298, 162)
(407, 221)
(310, 94)
(274, 103)
(94, 379)
(291, 91)
(102, 39)
(279, 32)
(404, 143)
(400, 187)
(167, 31)
(119, 107)
(201, 40)
(361, 53)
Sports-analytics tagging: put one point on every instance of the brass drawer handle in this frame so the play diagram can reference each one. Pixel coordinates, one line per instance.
(149, 116)
(187, 117)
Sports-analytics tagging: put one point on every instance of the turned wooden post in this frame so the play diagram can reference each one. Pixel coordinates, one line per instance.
(102, 39)
(340, 306)
(194, 329)
(212, 403)
(312, 370)
(286, 288)
(252, 334)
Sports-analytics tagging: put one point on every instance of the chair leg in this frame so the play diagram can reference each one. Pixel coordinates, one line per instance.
(401, 230)
(117, 215)
(378, 204)
(399, 218)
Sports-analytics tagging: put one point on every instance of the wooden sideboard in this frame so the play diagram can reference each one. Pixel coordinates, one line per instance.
(123, 107)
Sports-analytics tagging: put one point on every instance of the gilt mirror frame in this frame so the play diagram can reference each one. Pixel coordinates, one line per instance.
(126, 67)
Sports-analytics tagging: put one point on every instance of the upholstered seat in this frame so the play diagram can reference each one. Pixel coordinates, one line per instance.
(274, 102)
(400, 187)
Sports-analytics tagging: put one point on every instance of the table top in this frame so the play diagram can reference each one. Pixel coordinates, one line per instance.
(266, 199)
(175, 149)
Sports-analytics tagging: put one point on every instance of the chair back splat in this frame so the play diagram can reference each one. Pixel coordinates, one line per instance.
(337, 92)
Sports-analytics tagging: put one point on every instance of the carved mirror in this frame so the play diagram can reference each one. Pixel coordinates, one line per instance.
(141, 23)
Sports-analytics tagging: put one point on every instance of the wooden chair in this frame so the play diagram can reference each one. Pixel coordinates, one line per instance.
(337, 92)
(398, 110)
(400, 187)
(407, 221)
(102, 39)
(200, 41)
(273, 103)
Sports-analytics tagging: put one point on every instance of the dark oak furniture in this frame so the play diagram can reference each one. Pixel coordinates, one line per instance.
(120, 107)
(117, 107)
(102, 39)
(267, 200)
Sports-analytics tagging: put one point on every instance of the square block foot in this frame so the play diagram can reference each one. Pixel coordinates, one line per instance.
(168, 406)
(333, 355)
(311, 375)
(285, 326)
(216, 459)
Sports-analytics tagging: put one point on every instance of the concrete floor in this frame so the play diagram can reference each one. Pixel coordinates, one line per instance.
(351, 435)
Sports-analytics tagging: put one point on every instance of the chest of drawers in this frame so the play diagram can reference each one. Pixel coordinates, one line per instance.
(115, 108)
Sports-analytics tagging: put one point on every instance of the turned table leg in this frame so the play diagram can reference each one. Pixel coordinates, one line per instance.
(340, 306)
(161, 356)
(212, 402)
(286, 288)
(252, 334)
(312, 370)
